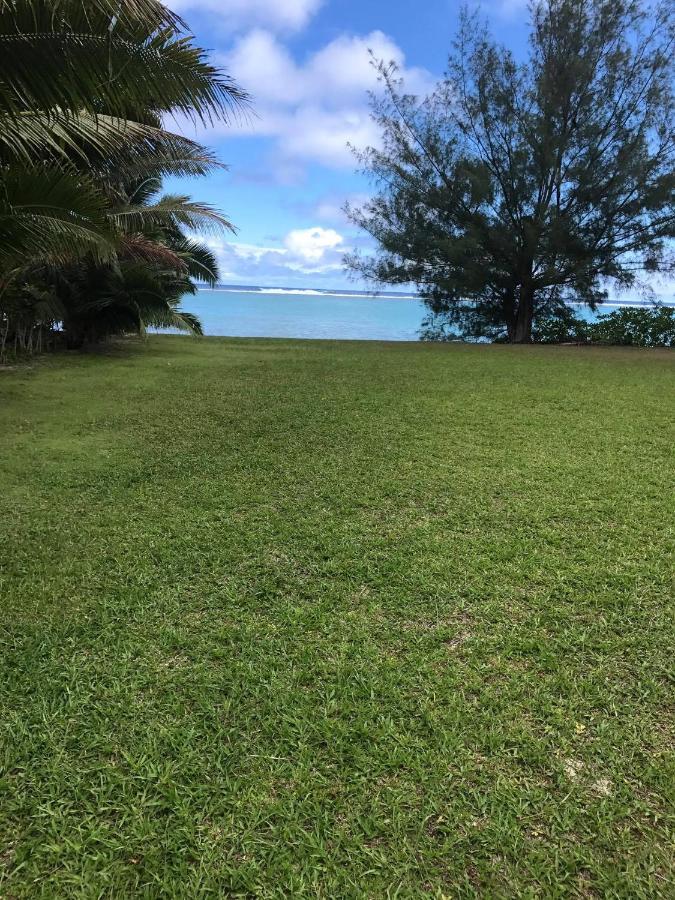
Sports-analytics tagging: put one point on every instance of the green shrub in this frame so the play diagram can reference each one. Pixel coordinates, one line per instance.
(560, 330)
(638, 327)
(652, 326)
(646, 326)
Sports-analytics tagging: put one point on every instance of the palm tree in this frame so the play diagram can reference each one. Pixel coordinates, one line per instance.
(86, 84)
(99, 74)
(155, 264)
(84, 90)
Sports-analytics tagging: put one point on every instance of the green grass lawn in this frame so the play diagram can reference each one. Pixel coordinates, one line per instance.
(321, 619)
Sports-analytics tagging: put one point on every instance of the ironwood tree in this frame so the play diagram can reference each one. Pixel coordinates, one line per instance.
(518, 186)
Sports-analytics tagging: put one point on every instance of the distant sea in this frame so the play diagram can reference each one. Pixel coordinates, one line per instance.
(254, 311)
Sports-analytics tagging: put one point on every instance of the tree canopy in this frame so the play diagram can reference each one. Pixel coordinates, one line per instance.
(86, 240)
(519, 186)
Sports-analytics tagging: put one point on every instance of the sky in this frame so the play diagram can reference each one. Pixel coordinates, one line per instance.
(305, 64)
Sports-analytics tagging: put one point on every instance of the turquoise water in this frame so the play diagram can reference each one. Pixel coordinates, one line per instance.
(306, 315)
(257, 312)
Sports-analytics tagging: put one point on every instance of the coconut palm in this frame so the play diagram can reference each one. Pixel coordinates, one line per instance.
(85, 88)
(155, 264)
(99, 74)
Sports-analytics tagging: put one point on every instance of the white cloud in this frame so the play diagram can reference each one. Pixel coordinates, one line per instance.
(313, 251)
(338, 73)
(311, 109)
(314, 108)
(312, 244)
(313, 134)
(285, 15)
(266, 68)
(247, 251)
(345, 65)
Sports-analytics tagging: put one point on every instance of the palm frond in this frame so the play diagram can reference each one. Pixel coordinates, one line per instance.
(126, 15)
(200, 261)
(175, 318)
(104, 144)
(171, 211)
(100, 72)
(51, 213)
(160, 155)
(187, 321)
(139, 248)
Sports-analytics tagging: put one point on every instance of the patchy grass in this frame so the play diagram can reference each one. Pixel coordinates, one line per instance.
(337, 620)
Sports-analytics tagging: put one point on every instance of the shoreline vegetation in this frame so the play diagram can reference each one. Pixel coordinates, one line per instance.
(90, 245)
(310, 618)
(525, 181)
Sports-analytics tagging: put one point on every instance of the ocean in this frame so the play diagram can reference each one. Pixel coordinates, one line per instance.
(253, 311)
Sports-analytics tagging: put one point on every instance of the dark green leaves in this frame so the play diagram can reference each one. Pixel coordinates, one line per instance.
(53, 214)
(516, 188)
(84, 91)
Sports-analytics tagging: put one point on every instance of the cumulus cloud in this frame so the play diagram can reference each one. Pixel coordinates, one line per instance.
(312, 251)
(313, 134)
(266, 67)
(283, 15)
(311, 244)
(339, 72)
(245, 251)
(313, 109)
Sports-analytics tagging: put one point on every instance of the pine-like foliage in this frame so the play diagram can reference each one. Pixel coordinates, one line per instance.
(517, 187)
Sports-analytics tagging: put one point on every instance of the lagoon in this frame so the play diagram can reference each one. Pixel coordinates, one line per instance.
(254, 311)
(259, 312)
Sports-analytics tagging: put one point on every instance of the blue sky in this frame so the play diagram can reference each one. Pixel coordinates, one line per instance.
(305, 63)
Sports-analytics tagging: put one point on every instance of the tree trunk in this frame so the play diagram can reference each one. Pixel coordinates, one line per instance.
(522, 333)
(509, 307)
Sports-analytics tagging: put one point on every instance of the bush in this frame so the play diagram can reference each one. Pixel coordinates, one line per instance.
(568, 329)
(646, 326)
(636, 327)
(631, 326)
